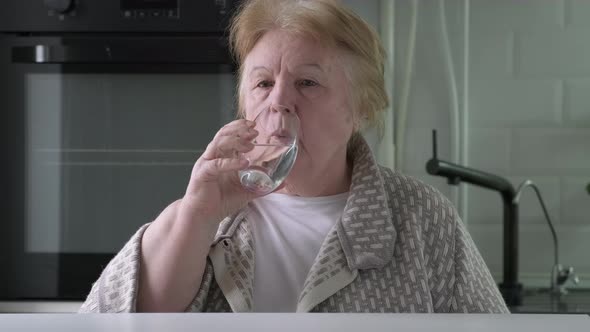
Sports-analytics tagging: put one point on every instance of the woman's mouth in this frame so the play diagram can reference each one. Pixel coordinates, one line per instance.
(282, 136)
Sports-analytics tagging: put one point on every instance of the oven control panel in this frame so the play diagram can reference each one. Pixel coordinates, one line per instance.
(132, 9)
(200, 16)
(144, 9)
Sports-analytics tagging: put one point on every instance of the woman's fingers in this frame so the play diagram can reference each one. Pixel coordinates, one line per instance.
(213, 168)
(227, 147)
(235, 127)
(231, 140)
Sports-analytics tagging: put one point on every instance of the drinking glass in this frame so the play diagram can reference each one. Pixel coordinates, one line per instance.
(274, 153)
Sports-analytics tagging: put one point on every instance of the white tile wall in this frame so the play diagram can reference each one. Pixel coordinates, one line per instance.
(551, 151)
(577, 12)
(575, 201)
(496, 144)
(492, 52)
(521, 14)
(432, 113)
(529, 118)
(553, 53)
(508, 103)
(577, 102)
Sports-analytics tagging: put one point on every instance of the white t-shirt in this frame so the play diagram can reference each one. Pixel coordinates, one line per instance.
(288, 232)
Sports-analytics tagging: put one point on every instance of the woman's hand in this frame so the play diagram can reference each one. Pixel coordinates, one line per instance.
(214, 189)
(174, 247)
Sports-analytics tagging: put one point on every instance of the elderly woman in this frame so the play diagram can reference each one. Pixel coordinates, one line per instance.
(342, 234)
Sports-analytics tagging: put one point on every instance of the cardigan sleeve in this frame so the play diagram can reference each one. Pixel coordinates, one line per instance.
(115, 291)
(474, 289)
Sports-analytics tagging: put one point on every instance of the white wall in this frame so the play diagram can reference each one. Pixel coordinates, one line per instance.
(528, 95)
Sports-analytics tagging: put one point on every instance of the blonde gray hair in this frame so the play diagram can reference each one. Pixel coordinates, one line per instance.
(327, 21)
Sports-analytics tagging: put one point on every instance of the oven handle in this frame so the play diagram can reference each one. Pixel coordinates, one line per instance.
(120, 54)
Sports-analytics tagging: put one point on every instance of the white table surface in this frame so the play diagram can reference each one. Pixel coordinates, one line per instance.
(293, 322)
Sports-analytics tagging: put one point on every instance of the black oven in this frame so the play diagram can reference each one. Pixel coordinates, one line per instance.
(105, 105)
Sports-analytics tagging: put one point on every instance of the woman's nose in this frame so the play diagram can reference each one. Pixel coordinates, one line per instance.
(283, 98)
(280, 108)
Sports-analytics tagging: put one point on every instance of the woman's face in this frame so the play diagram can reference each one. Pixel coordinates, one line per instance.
(295, 73)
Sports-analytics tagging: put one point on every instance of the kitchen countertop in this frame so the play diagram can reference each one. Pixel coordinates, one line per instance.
(535, 301)
(538, 301)
(577, 301)
(292, 322)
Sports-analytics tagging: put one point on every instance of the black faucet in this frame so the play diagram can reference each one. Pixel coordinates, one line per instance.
(510, 288)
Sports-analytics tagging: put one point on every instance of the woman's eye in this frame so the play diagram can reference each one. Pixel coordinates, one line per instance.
(264, 84)
(307, 83)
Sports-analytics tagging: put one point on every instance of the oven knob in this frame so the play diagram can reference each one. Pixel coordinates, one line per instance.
(60, 6)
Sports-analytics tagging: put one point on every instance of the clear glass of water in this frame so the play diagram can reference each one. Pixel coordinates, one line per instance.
(274, 153)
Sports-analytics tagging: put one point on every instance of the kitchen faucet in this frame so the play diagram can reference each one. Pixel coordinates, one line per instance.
(559, 274)
(510, 288)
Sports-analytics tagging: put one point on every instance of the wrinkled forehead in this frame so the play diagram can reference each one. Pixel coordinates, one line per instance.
(279, 48)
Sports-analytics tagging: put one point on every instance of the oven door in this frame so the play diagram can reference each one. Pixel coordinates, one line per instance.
(99, 134)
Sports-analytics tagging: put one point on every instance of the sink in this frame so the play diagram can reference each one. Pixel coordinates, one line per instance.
(577, 301)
